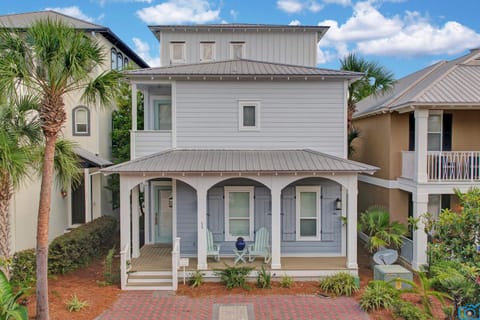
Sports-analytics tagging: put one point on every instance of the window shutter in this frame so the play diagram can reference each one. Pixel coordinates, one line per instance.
(447, 132)
(411, 132)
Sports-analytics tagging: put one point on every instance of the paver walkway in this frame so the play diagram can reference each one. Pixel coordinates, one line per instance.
(159, 305)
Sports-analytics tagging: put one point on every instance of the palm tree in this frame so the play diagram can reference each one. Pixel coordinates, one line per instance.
(51, 60)
(376, 80)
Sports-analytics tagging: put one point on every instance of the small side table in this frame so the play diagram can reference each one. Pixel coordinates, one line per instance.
(239, 255)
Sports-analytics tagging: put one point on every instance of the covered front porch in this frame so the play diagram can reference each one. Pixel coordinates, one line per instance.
(308, 234)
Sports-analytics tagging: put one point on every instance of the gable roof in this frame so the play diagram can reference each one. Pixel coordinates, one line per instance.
(25, 20)
(243, 161)
(242, 68)
(446, 83)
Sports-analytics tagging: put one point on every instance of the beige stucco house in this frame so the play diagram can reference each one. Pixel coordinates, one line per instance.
(89, 127)
(424, 137)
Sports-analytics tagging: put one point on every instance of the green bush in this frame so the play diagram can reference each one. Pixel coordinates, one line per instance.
(340, 284)
(196, 279)
(286, 281)
(407, 311)
(23, 269)
(379, 294)
(264, 279)
(78, 247)
(234, 277)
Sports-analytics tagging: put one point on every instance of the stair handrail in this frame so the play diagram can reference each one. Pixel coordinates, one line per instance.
(175, 263)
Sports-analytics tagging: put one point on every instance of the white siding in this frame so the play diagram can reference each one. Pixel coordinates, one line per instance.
(148, 142)
(298, 48)
(293, 114)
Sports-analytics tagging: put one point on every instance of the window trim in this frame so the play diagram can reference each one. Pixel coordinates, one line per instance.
(249, 103)
(298, 191)
(227, 191)
(436, 113)
(113, 62)
(152, 110)
(119, 61)
(184, 52)
(74, 121)
(232, 44)
(202, 58)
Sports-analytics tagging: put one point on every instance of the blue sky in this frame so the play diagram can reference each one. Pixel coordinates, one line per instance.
(403, 35)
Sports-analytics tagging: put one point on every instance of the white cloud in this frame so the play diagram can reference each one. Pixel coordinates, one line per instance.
(295, 23)
(340, 2)
(72, 11)
(295, 6)
(104, 2)
(178, 12)
(143, 50)
(234, 14)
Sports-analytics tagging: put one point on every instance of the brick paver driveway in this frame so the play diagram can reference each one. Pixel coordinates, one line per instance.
(159, 305)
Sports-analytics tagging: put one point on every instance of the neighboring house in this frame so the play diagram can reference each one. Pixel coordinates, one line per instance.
(242, 132)
(89, 127)
(424, 135)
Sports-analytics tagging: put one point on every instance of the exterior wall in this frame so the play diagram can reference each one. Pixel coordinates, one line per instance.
(465, 130)
(281, 47)
(399, 127)
(292, 115)
(186, 218)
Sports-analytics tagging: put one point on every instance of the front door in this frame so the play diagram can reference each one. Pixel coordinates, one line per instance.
(162, 214)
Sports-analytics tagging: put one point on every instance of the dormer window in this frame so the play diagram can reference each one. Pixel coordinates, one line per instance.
(81, 121)
(207, 51)
(177, 52)
(249, 115)
(237, 49)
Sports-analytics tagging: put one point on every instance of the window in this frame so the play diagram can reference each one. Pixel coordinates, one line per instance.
(308, 213)
(119, 61)
(249, 115)
(207, 51)
(434, 131)
(114, 59)
(125, 63)
(81, 121)
(162, 114)
(239, 213)
(237, 50)
(177, 52)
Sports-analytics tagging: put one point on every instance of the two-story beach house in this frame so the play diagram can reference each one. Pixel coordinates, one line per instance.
(424, 135)
(243, 137)
(88, 126)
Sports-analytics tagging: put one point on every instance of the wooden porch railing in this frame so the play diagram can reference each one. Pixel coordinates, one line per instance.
(175, 263)
(453, 165)
(124, 268)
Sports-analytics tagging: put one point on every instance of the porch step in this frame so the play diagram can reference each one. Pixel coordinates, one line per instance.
(161, 280)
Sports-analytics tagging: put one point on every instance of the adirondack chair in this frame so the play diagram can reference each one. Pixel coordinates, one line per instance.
(212, 248)
(261, 246)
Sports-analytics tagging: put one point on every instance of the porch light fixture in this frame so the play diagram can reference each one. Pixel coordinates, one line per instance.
(170, 201)
(338, 204)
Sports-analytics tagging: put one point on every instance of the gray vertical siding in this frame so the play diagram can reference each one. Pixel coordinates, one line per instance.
(186, 218)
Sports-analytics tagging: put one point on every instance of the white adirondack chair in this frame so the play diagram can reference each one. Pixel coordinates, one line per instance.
(261, 246)
(213, 250)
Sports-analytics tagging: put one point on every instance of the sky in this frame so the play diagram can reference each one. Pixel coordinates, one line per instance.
(402, 35)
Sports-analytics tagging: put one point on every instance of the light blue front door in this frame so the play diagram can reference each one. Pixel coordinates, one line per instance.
(162, 214)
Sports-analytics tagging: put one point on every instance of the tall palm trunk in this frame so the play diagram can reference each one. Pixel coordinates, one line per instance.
(5, 196)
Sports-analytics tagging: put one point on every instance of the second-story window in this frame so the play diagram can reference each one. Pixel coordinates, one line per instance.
(162, 114)
(249, 115)
(237, 49)
(119, 61)
(81, 121)
(114, 59)
(177, 52)
(125, 63)
(207, 51)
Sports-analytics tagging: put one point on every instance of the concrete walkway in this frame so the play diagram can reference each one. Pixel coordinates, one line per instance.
(160, 305)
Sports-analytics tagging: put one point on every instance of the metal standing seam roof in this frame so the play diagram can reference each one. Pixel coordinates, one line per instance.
(242, 67)
(25, 20)
(91, 159)
(214, 160)
(453, 82)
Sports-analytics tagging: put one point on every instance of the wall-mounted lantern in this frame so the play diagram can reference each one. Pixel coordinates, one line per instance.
(170, 201)
(338, 204)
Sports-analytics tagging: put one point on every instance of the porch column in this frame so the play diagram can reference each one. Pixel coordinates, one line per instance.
(201, 228)
(134, 106)
(421, 142)
(352, 223)
(420, 206)
(125, 213)
(135, 224)
(276, 192)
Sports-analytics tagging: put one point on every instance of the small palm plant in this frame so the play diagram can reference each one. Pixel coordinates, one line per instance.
(9, 308)
(375, 223)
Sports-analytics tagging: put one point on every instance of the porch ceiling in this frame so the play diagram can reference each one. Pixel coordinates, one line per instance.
(245, 161)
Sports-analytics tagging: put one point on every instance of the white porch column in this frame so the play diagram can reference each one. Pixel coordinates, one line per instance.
(88, 194)
(276, 192)
(420, 206)
(125, 213)
(421, 141)
(134, 106)
(201, 228)
(135, 224)
(352, 223)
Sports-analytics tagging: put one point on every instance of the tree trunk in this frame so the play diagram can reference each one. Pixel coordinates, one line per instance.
(42, 228)
(5, 196)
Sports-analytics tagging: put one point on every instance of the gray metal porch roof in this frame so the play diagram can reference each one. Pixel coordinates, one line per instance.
(253, 161)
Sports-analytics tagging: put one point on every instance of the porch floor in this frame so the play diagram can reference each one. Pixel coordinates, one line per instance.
(159, 258)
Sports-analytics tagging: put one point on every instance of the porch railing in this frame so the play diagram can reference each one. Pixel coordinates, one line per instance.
(124, 265)
(445, 165)
(175, 263)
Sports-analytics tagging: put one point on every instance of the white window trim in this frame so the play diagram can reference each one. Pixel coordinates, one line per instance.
(151, 112)
(237, 43)
(316, 189)
(202, 58)
(75, 132)
(436, 113)
(246, 103)
(184, 52)
(250, 190)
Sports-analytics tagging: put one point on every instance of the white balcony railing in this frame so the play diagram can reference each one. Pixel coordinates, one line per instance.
(445, 165)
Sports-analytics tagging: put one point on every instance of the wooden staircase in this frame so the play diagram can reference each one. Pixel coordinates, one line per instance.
(150, 280)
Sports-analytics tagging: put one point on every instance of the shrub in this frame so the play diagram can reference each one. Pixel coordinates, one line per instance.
(9, 308)
(378, 294)
(234, 277)
(264, 279)
(196, 279)
(78, 247)
(75, 305)
(340, 284)
(286, 281)
(23, 269)
(407, 311)
(108, 272)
